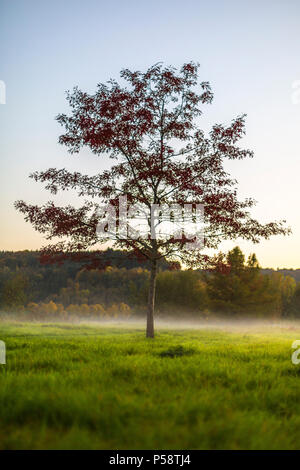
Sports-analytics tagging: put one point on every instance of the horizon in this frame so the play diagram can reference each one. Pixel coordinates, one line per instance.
(182, 268)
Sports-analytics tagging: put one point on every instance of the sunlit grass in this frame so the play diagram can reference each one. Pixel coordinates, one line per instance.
(92, 387)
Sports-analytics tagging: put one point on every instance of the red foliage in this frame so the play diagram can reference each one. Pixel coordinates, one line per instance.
(149, 129)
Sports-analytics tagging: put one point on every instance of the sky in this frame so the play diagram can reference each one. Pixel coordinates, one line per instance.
(248, 51)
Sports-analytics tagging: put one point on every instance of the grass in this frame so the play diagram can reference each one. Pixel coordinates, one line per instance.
(90, 387)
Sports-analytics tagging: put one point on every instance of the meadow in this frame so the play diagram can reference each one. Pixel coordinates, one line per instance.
(89, 386)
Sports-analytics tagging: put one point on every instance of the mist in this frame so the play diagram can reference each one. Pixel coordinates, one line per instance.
(235, 325)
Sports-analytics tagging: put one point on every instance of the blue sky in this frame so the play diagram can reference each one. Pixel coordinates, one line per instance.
(249, 51)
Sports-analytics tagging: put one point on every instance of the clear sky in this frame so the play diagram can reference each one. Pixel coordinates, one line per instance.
(248, 50)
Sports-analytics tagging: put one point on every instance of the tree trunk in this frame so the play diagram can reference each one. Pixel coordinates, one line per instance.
(151, 300)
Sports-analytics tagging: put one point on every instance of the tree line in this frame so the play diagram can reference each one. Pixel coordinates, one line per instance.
(236, 288)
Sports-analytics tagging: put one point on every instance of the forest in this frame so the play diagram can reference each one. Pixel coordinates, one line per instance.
(241, 289)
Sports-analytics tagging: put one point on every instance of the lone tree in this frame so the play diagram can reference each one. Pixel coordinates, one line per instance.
(159, 158)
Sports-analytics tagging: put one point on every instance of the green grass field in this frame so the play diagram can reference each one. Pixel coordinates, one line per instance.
(107, 387)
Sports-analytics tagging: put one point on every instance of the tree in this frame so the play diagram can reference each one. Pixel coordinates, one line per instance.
(181, 293)
(295, 302)
(13, 292)
(160, 158)
(240, 288)
(226, 285)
